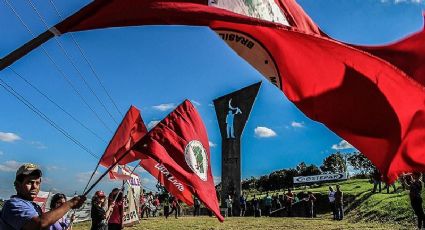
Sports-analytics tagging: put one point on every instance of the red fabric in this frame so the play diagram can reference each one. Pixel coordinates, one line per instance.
(407, 54)
(173, 186)
(128, 132)
(117, 213)
(167, 143)
(367, 101)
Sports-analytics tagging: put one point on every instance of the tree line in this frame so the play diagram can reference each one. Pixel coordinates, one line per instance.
(355, 163)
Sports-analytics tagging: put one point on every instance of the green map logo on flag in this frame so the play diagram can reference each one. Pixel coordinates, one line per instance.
(196, 158)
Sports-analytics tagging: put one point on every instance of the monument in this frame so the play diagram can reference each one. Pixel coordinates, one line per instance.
(232, 112)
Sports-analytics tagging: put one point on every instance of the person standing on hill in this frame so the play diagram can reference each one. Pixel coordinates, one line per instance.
(331, 197)
(414, 184)
(289, 202)
(268, 204)
(256, 206)
(116, 200)
(229, 205)
(20, 212)
(242, 203)
(197, 206)
(339, 203)
(376, 178)
(98, 214)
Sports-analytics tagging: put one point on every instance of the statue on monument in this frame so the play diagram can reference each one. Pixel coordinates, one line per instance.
(230, 117)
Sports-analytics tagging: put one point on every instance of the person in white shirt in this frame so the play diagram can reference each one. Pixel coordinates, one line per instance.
(331, 196)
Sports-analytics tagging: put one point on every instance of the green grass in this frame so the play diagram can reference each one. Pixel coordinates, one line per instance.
(262, 223)
(367, 210)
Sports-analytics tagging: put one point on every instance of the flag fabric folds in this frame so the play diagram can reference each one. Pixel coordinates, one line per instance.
(373, 97)
(179, 144)
(128, 132)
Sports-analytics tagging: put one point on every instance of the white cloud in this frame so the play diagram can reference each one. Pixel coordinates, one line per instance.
(83, 177)
(212, 144)
(164, 107)
(264, 132)
(9, 137)
(10, 166)
(342, 145)
(152, 124)
(195, 103)
(295, 124)
(211, 105)
(403, 1)
(38, 145)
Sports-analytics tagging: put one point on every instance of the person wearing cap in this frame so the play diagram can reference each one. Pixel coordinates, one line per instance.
(98, 214)
(63, 223)
(20, 212)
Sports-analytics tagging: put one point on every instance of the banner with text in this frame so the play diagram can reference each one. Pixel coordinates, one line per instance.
(320, 178)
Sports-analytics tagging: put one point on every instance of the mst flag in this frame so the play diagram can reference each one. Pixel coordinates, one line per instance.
(180, 144)
(370, 101)
(170, 182)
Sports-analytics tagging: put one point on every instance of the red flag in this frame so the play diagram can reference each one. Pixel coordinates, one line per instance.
(170, 182)
(369, 102)
(180, 144)
(128, 132)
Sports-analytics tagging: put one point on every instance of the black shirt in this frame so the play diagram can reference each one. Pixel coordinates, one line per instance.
(97, 215)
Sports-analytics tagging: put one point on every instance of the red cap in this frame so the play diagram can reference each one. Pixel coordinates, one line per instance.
(100, 194)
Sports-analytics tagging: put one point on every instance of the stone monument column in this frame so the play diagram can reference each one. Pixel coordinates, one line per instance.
(232, 112)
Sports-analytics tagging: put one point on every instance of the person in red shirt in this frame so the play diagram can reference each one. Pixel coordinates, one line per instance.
(116, 200)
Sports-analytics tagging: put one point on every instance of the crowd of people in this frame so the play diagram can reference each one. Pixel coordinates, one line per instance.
(21, 212)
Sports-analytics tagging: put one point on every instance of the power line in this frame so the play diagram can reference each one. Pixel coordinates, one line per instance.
(63, 74)
(57, 105)
(43, 116)
(87, 60)
(72, 62)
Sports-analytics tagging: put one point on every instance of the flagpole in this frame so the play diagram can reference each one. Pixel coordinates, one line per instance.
(25, 49)
(106, 172)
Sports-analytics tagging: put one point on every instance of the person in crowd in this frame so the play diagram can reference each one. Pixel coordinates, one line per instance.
(331, 198)
(289, 202)
(256, 206)
(311, 199)
(414, 184)
(197, 206)
(276, 202)
(175, 207)
(339, 197)
(282, 200)
(166, 207)
(387, 187)
(376, 178)
(268, 204)
(63, 223)
(20, 211)
(115, 200)
(242, 203)
(229, 205)
(98, 214)
(155, 205)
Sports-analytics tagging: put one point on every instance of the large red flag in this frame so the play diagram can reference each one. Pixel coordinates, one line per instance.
(180, 144)
(368, 100)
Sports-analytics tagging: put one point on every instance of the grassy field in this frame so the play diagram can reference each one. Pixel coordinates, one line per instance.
(263, 223)
(366, 210)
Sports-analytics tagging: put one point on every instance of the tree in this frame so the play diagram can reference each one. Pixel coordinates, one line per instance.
(361, 163)
(334, 163)
(307, 170)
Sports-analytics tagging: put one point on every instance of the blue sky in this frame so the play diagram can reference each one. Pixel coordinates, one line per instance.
(155, 68)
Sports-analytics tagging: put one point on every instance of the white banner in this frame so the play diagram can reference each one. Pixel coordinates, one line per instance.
(319, 178)
(131, 199)
(41, 200)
